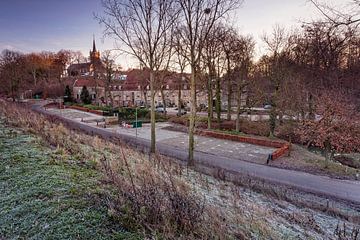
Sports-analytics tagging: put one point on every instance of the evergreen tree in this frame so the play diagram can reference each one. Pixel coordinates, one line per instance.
(68, 94)
(85, 96)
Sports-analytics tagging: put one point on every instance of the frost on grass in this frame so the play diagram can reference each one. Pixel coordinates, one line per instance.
(149, 195)
(43, 200)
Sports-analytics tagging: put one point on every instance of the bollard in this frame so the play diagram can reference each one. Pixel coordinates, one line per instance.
(269, 158)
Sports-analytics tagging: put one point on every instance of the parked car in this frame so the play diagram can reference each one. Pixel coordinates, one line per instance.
(267, 106)
(160, 110)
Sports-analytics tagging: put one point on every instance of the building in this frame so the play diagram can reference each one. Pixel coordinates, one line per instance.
(95, 87)
(92, 68)
(133, 88)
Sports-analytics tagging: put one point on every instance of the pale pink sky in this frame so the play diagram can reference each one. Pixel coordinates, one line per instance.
(51, 26)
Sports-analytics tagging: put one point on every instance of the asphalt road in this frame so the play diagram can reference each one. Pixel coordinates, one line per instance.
(335, 188)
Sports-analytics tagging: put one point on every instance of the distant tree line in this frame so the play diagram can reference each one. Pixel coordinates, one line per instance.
(35, 72)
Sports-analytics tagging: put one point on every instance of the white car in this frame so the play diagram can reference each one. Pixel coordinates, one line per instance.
(160, 110)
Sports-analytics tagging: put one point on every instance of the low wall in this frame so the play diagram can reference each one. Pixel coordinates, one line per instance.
(282, 147)
(98, 112)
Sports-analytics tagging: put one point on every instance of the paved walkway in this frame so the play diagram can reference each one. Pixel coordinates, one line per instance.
(341, 189)
(218, 147)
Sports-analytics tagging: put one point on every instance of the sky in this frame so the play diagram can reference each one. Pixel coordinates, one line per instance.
(52, 25)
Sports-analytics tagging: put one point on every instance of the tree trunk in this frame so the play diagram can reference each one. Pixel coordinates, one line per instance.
(179, 95)
(152, 112)
(218, 102)
(311, 107)
(145, 98)
(163, 99)
(281, 118)
(329, 154)
(272, 122)
(229, 93)
(192, 115)
(111, 99)
(238, 108)
(210, 103)
(106, 95)
(34, 77)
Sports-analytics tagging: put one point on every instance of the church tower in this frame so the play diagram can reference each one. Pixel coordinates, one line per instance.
(94, 55)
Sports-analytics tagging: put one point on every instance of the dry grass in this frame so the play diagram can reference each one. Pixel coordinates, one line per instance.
(164, 200)
(150, 195)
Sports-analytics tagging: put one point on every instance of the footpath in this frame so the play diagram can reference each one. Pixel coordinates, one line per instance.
(230, 168)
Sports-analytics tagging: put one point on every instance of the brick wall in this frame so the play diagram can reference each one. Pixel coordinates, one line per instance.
(282, 147)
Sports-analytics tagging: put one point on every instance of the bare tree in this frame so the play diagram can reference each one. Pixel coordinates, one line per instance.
(108, 60)
(345, 15)
(77, 57)
(181, 63)
(242, 56)
(228, 43)
(144, 29)
(212, 58)
(11, 72)
(34, 65)
(276, 45)
(197, 19)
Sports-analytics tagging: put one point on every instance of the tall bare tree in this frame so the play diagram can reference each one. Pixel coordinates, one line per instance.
(212, 57)
(108, 60)
(144, 29)
(276, 44)
(11, 72)
(242, 56)
(180, 62)
(229, 48)
(197, 19)
(345, 15)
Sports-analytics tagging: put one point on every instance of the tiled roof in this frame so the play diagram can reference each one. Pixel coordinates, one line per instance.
(77, 66)
(88, 82)
(140, 77)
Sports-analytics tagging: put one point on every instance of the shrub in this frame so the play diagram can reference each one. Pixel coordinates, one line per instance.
(85, 95)
(127, 113)
(287, 131)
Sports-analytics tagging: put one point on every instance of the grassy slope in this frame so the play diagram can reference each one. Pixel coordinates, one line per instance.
(41, 198)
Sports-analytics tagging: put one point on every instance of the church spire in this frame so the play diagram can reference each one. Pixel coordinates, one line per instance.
(94, 47)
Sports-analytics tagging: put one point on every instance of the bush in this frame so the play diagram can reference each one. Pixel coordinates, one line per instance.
(287, 132)
(129, 113)
(85, 95)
